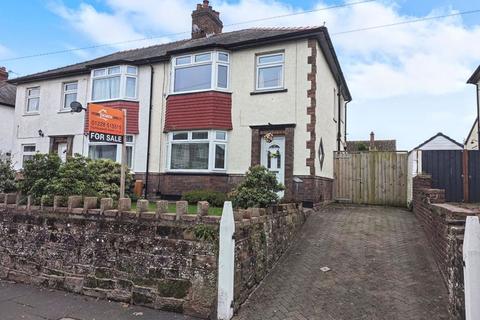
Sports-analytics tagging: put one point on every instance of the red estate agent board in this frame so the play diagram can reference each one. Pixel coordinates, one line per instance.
(105, 124)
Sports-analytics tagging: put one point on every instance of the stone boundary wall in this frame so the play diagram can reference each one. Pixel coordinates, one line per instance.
(444, 226)
(166, 261)
(260, 242)
(160, 260)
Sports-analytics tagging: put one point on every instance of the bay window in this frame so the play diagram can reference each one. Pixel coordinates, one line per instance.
(270, 69)
(202, 71)
(197, 150)
(118, 82)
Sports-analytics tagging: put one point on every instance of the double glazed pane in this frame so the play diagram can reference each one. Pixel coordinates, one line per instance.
(108, 88)
(222, 76)
(131, 87)
(219, 156)
(270, 77)
(103, 152)
(193, 78)
(190, 156)
(69, 98)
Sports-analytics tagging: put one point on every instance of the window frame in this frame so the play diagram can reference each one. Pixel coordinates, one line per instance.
(214, 61)
(28, 97)
(123, 73)
(28, 153)
(212, 142)
(259, 66)
(118, 152)
(65, 92)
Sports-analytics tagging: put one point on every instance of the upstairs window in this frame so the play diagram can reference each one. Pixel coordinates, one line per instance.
(202, 71)
(33, 99)
(118, 82)
(69, 93)
(270, 70)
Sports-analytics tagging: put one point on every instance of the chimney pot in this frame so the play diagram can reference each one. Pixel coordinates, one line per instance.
(3, 74)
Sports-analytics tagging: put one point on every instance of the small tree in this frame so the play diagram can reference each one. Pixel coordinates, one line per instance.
(73, 178)
(106, 178)
(38, 174)
(7, 175)
(259, 189)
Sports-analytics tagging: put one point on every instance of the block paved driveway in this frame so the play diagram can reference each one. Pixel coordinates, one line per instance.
(381, 268)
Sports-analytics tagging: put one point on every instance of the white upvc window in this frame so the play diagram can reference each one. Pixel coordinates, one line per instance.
(270, 71)
(101, 150)
(70, 90)
(200, 151)
(28, 151)
(200, 72)
(33, 100)
(113, 83)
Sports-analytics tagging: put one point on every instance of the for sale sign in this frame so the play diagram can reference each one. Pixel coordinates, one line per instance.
(105, 124)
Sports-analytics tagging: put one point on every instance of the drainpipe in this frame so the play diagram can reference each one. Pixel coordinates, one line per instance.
(149, 131)
(339, 130)
(345, 114)
(478, 114)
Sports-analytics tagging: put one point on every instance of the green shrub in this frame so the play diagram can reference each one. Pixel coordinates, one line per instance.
(38, 174)
(7, 175)
(258, 189)
(47, 175)
(214, 198)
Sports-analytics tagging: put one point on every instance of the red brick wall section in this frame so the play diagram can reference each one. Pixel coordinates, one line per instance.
(204, 110)
(444, 226)
(132, 108)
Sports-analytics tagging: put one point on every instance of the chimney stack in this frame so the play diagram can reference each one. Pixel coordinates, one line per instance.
(372, 141)
(205, 21)
(3, 74)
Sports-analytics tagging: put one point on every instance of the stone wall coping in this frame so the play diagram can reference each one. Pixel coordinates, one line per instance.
(454, 209)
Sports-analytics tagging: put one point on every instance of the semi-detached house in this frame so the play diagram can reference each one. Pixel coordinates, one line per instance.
(201, 111)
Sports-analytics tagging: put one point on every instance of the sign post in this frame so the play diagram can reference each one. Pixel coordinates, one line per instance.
(109, 125)
(124, 156)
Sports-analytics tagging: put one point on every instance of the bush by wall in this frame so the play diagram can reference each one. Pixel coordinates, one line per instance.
(215, 198)
(7, 175)
(45, 174)
(258, 189)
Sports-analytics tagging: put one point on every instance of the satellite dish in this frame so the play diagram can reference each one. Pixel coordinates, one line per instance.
(76, 106)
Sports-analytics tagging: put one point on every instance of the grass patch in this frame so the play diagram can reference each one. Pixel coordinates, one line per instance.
(192, 209)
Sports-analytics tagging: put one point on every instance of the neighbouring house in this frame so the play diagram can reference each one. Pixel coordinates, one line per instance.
(372, 144)
(439, 141)
(471, 142)
(7, 113)
(201, 111)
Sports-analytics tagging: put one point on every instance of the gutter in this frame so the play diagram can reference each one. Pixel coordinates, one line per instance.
(339, 130)
(147, 170)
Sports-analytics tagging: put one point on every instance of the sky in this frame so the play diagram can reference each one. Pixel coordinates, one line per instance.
(408, 82)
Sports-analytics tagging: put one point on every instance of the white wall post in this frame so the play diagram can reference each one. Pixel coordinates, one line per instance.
(226, 263)
(471, 274)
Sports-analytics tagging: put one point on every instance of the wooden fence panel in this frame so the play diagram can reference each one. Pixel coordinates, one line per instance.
(371, 178)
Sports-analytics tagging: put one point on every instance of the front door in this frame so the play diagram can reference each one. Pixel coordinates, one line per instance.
(273, 158)
(62, 151)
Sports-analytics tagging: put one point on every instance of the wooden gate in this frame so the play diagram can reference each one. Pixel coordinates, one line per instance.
(455, 171)
(378, 178)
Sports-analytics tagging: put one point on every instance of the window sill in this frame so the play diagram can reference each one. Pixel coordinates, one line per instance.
(31, 114)
(114, 100)
(197, 173)
(65, 111)
(253, 93)
(198, 91)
